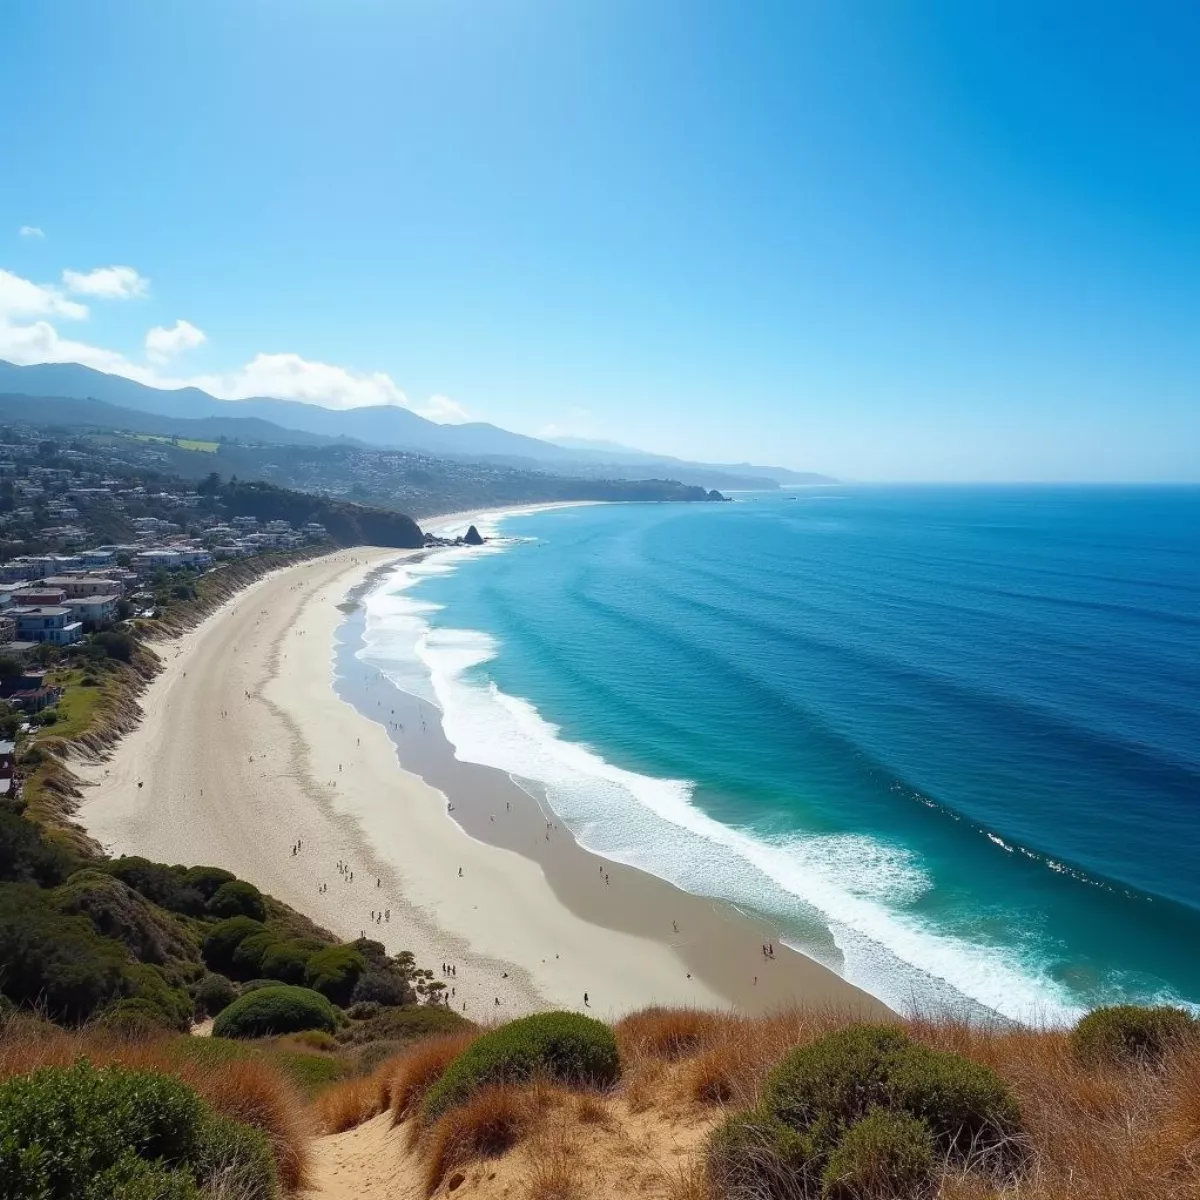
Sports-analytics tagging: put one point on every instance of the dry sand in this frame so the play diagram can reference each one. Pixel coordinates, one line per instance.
(246, 748)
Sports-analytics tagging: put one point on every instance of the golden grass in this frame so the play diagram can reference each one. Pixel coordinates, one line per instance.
(411, 1074)
(1091, 1133)
(489, 1124)
(258, 1095)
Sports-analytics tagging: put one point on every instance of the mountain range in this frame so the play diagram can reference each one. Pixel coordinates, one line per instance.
(386, 426)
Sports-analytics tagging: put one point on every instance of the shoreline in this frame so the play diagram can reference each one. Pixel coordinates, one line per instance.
(530, 923)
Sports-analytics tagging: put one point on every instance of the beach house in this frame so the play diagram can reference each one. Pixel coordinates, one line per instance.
(47, 623)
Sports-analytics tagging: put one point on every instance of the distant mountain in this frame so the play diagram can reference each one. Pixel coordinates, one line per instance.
(600, 450)
(390, 427)
(57, 410)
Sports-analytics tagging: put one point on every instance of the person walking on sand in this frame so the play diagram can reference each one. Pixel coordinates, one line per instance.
(586, 1002)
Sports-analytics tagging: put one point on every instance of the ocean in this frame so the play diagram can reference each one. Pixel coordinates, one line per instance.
(946, 738)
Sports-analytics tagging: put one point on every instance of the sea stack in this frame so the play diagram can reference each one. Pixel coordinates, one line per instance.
(473, 537)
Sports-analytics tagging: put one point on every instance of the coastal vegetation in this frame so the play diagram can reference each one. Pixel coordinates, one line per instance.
(668, 1104)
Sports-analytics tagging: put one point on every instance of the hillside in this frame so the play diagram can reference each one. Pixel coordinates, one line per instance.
(339, 469)
(389, 427)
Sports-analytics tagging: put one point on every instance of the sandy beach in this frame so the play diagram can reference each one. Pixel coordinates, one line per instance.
(247, 747)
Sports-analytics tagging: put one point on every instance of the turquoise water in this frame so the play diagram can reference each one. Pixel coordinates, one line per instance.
(946, 737)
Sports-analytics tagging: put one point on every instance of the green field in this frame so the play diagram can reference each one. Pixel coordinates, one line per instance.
(181, 443)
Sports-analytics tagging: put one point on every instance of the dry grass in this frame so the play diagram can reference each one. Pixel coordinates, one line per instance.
(345, 1105)
(1114, 1133)
(411, 1074)
(258, 1095)
(486, 1126)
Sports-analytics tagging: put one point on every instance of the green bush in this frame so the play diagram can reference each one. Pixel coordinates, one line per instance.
(287, 961)
(144, 982)
(966, 1106)
(115, 644)
(249, 955)
(87, 1133)
(1126, 1033)
(214, 993)
(838, 1080)
(334, 971)
(563, 1046)
(389, 988)
(26, 856)
(275, 1010)
(53, 960)
(885, 1156)
(755, 1156)
(117, 911)
(237, 898)
(164, 885)
(206, 880)
(224, 939)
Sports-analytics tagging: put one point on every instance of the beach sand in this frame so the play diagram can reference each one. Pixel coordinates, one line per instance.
(246, 748)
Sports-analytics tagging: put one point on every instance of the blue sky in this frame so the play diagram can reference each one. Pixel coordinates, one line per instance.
(885, 240)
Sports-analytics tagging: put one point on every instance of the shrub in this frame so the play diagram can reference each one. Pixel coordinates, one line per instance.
(164, 885)
(206, 880)
(287, 961)
(755, 1156)
(224, 939)
(237, 898)
(334, 971)
(26, 856)
(841, 1076)
(146, 983)
(835, 1082)
(54, 960)
(273, 1010)
(214, 993)
(115, 644)
(885, 1156)
(966, 1106)
(87, 1133)
(117, 911)
(1125, 1033)
(563, 1046)
(389, 988)
(249, 955)
(363, 1010)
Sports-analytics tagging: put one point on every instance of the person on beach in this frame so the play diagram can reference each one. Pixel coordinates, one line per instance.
(586, 1003)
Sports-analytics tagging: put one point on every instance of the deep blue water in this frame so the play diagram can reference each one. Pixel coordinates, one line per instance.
(948, 737)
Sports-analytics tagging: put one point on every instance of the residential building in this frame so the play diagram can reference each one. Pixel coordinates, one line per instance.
(97, 609)
(48, 623)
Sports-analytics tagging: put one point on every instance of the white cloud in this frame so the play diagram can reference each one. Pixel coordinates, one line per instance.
(26, 337)
(40, 342)
(290, 377)
(444, 411)
(31, 231)
(109, 283)
(162, 343)
(24, 298)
